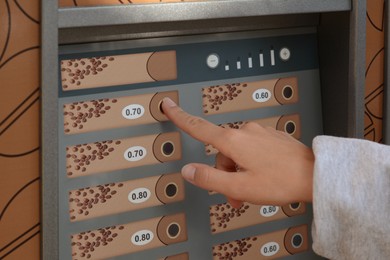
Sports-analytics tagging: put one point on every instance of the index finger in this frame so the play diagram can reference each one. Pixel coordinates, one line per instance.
(196, 127)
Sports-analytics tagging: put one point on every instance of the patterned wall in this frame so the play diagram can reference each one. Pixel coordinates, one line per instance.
(375, 56)
(19, 129)
(20, 105)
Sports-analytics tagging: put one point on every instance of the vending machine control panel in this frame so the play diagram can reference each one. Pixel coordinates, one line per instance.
(121, 194)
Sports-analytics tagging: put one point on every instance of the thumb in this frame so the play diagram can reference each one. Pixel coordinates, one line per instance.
(210, 178)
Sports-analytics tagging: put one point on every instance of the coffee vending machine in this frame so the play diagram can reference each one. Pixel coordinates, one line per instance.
(111, 160)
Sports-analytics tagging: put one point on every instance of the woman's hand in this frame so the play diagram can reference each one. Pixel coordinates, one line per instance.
(254, 164)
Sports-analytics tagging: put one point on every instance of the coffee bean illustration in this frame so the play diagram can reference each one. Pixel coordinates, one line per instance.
(85, 243)
(231, 250)
(222, 214)
(75, 70)
(79, 157)
(216, 96)
(77, 114)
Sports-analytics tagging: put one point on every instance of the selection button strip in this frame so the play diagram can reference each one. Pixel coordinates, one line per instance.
(114, 198)
(111, 155)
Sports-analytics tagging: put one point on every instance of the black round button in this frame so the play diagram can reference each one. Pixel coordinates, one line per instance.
(173, 230)
(295, 206)
(287, 92)
(171, 190)
(168, 148)
(297, 240)
(290, 127)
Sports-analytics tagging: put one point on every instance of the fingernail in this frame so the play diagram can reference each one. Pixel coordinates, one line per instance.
(188, 173)
(169, 102)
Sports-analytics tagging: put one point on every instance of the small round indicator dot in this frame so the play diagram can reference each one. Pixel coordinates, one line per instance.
(290, 127)
(212, 61)
(297, 240)
(173, 230)
(287, 92)
(171, 190)
(295, 206)
(168, 148)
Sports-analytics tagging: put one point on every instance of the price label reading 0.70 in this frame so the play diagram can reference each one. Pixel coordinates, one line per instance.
(139, 195)
(133, 111)
(135, 153)
(142, 237)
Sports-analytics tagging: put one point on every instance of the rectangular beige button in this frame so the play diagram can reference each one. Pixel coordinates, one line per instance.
(109, 113)
(249, 95)
(111, 155)
(290, 124)
(106, 71)
(268, 246)
(223, 217)
(128, 238)
(113, 198)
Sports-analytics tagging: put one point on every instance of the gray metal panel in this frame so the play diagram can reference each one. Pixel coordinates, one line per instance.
(386, 105)
(168, 12)
(154, 30)
(357, 69)
(342, 62)
(49, 112)
(333, 43)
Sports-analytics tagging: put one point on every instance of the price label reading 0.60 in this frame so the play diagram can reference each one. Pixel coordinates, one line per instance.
(268, 211)
(135, 153)
(133, 111)
(142, 237)
(139, 195)
(270, 249)
(261, 95)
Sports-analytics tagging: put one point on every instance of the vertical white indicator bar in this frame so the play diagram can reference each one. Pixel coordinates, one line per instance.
(272, 57)
(261, 57)
(250, 64)
(238, 64)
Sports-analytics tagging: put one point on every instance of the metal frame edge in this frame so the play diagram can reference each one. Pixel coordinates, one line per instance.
(49, 125)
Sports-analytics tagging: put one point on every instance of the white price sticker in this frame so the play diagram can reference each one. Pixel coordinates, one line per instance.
(270, 249)
(133, 111)
(139, 195)
(268, 211)
(142, 237)
(135, 153)
(261, 95)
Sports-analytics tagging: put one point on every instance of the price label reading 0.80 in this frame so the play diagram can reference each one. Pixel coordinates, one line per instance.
(270, 249)
(268, 211)
(142, 237)
(261, 95)
(135, 153)
(133, 111)
(139, 195)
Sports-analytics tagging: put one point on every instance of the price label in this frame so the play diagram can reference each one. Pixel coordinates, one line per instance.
(142, 237)
(139, 195)
(268, 211)
(261, 95)
(270, 249)
(135, 153)
(133, 111)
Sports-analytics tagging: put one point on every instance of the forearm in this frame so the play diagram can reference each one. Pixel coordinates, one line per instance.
(351, 199)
